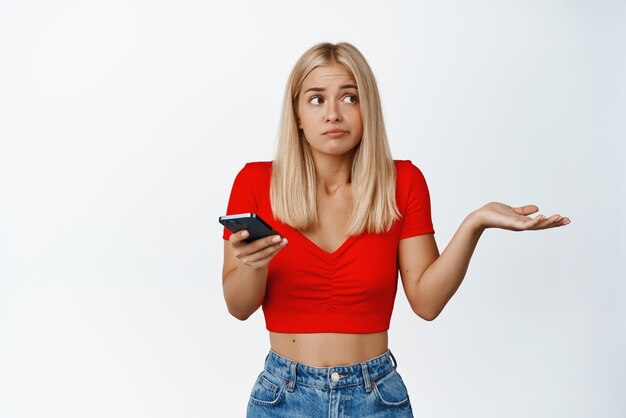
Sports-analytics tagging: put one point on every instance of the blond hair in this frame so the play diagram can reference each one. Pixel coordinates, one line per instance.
(293, 185)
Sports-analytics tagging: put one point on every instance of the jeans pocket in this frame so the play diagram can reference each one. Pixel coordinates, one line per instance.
(267, 389)
(390, 389)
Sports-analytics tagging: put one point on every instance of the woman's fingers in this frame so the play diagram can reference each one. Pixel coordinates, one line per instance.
(265, 253)
(531, 223)
(499, 215)
(258, 250)
(526, 210)
(551, 222)
(263, 257)
(263, 243)
(237, 239)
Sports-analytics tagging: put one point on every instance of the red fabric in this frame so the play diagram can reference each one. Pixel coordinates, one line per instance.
(351, 290)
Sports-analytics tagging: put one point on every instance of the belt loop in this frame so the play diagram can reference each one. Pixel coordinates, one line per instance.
(292, 381)
(393, 360)
(366, 377)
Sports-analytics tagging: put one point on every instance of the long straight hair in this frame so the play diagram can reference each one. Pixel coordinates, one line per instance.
(293, 185)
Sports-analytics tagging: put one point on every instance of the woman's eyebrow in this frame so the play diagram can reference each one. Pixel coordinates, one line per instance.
(345, 86)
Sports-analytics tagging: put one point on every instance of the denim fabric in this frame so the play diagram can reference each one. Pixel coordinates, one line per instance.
(292, 390)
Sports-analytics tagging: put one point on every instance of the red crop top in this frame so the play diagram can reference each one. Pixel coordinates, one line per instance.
(351, 290)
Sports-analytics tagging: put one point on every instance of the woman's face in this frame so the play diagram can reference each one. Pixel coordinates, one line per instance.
(329, 101)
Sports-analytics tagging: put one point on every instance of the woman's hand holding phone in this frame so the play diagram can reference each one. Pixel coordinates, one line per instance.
(256, 254)
(251, 246)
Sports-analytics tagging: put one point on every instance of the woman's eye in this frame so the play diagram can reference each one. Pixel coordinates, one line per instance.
(353, 97)
(314, 98)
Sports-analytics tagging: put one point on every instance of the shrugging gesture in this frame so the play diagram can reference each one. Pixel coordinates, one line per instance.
(430, 279)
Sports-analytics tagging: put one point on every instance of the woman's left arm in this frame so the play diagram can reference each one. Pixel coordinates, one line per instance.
(430, 280)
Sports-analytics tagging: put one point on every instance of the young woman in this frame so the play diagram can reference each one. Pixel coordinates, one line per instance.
(349, 217)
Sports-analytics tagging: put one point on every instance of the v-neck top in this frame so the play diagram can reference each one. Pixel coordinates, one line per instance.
(351, 290)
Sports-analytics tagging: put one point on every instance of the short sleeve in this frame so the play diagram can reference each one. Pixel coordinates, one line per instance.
(242, 196)
(416, 217)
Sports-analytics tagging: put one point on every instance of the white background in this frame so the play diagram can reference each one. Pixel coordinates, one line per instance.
(123, 124)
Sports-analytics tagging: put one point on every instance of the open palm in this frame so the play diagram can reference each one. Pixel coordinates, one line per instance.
(499, 215)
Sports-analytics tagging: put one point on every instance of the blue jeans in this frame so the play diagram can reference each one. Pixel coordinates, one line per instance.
(288, 389)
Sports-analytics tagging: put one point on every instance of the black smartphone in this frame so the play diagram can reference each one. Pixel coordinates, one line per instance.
(256, 227)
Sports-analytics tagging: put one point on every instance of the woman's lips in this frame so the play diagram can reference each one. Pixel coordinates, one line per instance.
(335, 134)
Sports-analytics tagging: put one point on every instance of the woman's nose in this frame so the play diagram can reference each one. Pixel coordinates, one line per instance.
(332, 112)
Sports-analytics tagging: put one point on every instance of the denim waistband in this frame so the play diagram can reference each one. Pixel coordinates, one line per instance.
(330, 377)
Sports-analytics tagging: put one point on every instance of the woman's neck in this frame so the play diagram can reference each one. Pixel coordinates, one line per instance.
(332, 172)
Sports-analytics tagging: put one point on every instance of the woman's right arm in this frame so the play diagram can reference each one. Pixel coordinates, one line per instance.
(245, 272)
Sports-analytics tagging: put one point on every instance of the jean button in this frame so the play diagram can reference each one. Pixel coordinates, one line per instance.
(334, 377)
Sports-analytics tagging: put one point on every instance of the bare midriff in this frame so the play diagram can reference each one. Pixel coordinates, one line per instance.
(329, 349)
